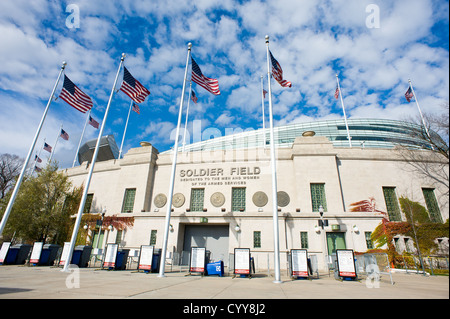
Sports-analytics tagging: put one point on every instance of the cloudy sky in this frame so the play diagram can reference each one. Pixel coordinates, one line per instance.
(374, 46)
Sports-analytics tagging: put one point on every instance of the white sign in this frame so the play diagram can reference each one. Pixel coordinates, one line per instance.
(346, 262)
(4, 251)
(110, 256)
(197, 259)
(242, 261)
(65, 254)
(299, 261)
(146, 257)
(36, 253)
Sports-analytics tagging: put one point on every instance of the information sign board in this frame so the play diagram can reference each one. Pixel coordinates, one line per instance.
(110, 256)
(242, 261)
(299, 262)
(64, 254)
(4, 251)
(36, 253)
(346, 262)
(198, 258)
(146, 257)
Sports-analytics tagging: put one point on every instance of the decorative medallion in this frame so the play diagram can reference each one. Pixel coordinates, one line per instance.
(160, 200)
(217, 199)
(178, 200)
(283, 199)
(260, 199)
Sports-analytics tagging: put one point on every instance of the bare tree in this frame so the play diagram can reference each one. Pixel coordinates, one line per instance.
(10, 166)
(431, 160)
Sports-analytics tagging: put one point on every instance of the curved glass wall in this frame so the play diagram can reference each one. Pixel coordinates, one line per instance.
(370, 133)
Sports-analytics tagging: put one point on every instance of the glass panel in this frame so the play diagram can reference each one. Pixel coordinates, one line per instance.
(318, 197)
(238, 199)
(256, 239)
(197, 197)
(304, 239)
(392, 206)
(128, 200)
(432, 205)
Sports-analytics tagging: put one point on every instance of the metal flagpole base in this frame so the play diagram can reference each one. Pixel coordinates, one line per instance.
(277, 282)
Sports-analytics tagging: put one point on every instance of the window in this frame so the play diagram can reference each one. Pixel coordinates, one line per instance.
(392, 204)
(197, 197)
(304, 239)
(432, 205)
(153, 237)
(128, 200)
(256, 239)
(119, 237)
(318, 197)
(88, 203)
(369, 242)
(238, 199)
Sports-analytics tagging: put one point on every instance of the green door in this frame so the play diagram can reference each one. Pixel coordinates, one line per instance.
(335, 241)
(98, 243)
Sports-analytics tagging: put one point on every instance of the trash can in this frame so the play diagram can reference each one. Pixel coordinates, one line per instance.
(18, 254)
(121, 259)
(48, 255)
(215, 268)
(156, 259)
(81, 256)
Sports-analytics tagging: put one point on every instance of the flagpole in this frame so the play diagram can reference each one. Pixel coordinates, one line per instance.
(343, 109)
(172, 179)
(262, 106)
(187, 115)
(420, 112)
(30, 152)
(81, 138)
(125, 131)
(274, 178)
(91, 170)
(54, 147)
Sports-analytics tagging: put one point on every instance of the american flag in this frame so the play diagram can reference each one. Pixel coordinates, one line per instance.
(93, 122)
(75, 97)
(133, 88)
(409, 94)
(64, 135)
(37, 169)
(194, 97)
(47, 147)
(336, 93)
(135, 108)
(210, 85)
(37, 159)
(277, 72)
(264, 93)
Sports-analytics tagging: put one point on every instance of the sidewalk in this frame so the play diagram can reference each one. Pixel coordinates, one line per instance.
(23, 282)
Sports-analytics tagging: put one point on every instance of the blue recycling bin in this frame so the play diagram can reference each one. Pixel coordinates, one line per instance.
(121, 259)
(48, 255)
(215, 268)
(17, 254)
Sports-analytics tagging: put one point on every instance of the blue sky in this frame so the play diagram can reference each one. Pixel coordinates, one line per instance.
(312, 40)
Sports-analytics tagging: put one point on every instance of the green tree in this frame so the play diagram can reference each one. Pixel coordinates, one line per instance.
(43, 207)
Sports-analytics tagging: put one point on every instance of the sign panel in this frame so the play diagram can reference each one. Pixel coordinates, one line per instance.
(110, 256)
(242, 261)
(36, 253)
(4, 251)
(299, 262)
(198, 257)
(146, 257)
(64, 254)
(345, 262)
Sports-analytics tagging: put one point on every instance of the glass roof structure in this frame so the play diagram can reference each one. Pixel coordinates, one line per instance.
(370, 133)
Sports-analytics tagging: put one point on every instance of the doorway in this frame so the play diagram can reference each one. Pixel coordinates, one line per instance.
(213, 237)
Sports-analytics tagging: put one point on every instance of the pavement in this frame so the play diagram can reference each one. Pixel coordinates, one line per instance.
(27, 282)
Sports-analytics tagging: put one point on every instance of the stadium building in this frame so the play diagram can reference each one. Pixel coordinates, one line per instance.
(223, 191)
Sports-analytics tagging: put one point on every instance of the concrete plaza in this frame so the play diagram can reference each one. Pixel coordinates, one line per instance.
(24, 282)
